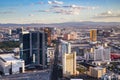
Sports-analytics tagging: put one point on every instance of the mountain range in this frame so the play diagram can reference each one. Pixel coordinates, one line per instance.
(66, 24)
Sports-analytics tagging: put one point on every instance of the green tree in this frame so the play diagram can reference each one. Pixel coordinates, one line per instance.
(9, 44)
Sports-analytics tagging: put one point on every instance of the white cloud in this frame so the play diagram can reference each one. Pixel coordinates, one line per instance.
(79, 7)
(56, 6)
(43, 11)
(62, 11)
(70, 9)
(55, 2)
(31, 15)
(107, 14)
(67, 11)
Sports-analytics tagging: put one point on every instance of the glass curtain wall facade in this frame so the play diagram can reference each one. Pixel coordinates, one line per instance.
(33, 48)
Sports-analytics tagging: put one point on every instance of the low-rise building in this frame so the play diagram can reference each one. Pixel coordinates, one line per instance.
(97, 72)
(70, 36)
(9, 64)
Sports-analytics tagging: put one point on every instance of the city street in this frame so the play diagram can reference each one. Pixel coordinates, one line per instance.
(34, 75)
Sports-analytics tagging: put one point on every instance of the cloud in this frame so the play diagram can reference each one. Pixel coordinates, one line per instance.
(56, 6)
(31, 15)
(70, 9)
(67, 11)
(73, 6)
(55, 2)
(43, 11)
(62, 11)
(79, 7)
(6, 12)
(107, 14)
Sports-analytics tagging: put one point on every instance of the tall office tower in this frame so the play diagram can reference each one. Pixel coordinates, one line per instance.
(98, 53)
(69, 64)
(102, 54)
(19, 30)
(93, 35)
(107, 55)
(48, 31)
(10, 32)
(33, 47)
(65, 47)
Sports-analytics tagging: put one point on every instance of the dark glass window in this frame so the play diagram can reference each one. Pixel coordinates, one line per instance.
(34, 40)
(26, 57)
(40, 40)
(26, 41)
(40, 57)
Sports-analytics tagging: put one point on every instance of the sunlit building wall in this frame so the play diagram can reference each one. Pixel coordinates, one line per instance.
(69, 64)
(70, 36)
(93, 35)
(97, 72)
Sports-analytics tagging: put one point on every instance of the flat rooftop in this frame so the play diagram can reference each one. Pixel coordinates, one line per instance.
(98, 68)
(9, 58)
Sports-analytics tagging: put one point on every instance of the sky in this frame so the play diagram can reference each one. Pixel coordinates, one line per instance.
(59, 11)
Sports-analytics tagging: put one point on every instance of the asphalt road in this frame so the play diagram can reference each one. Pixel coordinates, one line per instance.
(34, 75)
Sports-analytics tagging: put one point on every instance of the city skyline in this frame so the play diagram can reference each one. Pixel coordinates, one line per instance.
(58, 11)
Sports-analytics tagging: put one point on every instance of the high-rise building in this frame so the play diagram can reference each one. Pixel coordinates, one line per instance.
(65, 47)
(102, 53)
(10, 32)
(19, 30)
(69, 64)
(33, 47)
(98, 53)
(107, 55)
(93, 35)
(48, 31)
(1, 35)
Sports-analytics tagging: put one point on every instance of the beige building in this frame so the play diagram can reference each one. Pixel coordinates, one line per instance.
(70, 36)
(69, 64)
(97, 72)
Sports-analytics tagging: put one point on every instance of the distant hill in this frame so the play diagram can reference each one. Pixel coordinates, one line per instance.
(66, 24)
